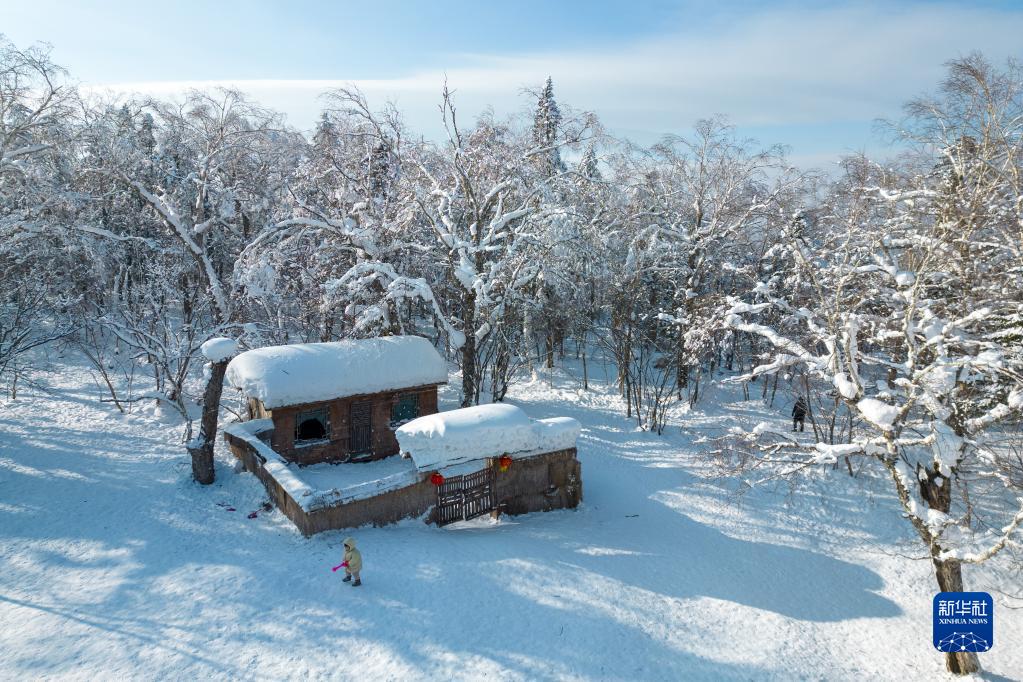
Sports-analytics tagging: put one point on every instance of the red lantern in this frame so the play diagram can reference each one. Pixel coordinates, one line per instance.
(504, 462)
(436, 478)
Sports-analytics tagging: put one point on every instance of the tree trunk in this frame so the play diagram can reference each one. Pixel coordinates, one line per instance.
(586, 376)
(950, 579)
(937, 493)
(681, 369)
(500, 370)
(469, 378)
(202, 452)
(527, 340)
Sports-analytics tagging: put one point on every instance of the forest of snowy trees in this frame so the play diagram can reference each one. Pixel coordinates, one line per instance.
(890, 290)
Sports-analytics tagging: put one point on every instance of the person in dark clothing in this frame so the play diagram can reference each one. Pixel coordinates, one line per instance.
(799, 414)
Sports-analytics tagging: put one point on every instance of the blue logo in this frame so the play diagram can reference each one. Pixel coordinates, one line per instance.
(963, 621)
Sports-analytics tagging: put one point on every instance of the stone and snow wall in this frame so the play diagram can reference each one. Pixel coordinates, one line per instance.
(538, 482)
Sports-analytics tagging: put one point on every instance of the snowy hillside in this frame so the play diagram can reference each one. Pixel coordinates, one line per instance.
(115, 565)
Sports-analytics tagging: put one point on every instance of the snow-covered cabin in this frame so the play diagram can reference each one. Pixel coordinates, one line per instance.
(341, 401)
(323, 418)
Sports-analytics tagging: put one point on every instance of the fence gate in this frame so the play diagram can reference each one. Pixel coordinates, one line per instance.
(361, 436)
(461, 498)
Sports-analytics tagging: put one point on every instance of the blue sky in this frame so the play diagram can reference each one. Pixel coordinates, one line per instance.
(813, 75)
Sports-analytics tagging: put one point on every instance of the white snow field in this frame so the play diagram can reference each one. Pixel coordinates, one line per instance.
(114, 565)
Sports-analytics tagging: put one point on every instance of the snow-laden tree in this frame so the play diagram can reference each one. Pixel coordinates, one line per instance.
(183, 184)
(218, 164)
(342, 208)
(36, 132)
(550, 304)
(474, 251)
(583, 248)
(700, 213)
(912, 317)
(35, 107)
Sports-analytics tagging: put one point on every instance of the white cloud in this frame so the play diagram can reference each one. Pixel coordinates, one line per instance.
(773, 69)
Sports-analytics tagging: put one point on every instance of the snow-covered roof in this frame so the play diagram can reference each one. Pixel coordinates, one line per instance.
(314, 372)
(472, 433)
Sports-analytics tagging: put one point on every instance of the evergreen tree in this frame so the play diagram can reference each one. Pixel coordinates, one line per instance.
(325, 136)
(545, 132)
(381, 168)
(588, 167)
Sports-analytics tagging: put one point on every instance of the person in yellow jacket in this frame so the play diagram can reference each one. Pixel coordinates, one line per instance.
(352, 562)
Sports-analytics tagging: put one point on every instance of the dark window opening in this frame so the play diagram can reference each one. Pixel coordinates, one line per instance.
(312, 425)
(405, 409)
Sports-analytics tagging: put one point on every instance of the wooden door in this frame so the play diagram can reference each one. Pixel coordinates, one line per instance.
(360, 439)
(478, 493)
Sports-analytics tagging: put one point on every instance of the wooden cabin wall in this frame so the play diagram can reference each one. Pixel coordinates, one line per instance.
(336, 449)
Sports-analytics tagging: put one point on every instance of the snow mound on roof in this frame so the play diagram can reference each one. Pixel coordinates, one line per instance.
(314, 372)
(472, 433)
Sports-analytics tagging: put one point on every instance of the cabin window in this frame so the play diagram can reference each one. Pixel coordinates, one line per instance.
(312, 426)
(405, 409)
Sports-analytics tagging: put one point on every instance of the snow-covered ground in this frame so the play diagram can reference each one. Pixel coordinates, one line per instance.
(113, 565)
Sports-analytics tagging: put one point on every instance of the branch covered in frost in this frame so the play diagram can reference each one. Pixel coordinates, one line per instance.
(174, 220)
(393, 288)
(985, 554)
